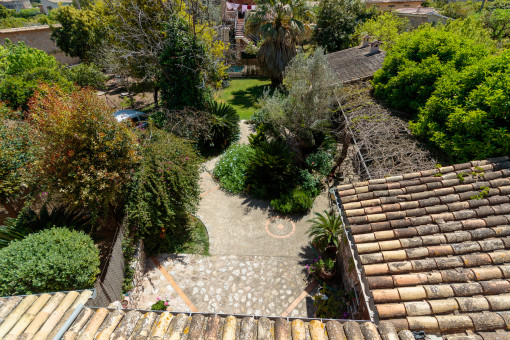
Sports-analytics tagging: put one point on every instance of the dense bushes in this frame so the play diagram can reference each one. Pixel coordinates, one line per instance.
(337, 21)
(231, 170)
(51, 260)
(467, 116)
(418, 59)
(17, 154)
(84, 154)
(165, 190)
(86, 75)
(271, 169)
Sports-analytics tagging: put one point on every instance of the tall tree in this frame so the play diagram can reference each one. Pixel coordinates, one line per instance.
(337, 21)
(281, 24)
(80, 31)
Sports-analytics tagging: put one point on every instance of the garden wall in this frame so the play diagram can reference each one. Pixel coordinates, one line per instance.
(138, 266)
(37, 37)
(352, 278)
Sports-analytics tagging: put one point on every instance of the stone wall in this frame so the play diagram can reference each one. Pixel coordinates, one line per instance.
(351, 280)
(37, 37)
(138, 265)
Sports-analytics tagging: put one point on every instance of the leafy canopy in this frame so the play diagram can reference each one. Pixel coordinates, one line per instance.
(337, 21)
(56, 259)
(418, 59)
(468, 116)
(281, 24)
(165, 189)
(84, 154)
(386, 27)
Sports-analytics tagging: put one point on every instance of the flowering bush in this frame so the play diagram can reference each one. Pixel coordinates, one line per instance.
(232, 167)
(318, 265)
(84, 154)
(165, 190)
(160, 304)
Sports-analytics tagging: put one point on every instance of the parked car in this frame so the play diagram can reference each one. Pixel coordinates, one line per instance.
(138, 118)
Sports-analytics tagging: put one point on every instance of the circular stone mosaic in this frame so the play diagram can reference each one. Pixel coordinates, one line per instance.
(280, 227)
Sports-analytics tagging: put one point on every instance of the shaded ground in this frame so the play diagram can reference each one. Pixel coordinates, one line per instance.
(242, 94)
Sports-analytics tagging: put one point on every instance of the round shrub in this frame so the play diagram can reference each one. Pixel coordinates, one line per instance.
(232, 168)
(52, 260)
(296, 201)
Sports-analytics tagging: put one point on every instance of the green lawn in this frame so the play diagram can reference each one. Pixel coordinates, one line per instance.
(242, 94)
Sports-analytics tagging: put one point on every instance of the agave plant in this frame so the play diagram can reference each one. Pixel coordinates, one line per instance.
(29, 222)
(224, 125)
(325, 230)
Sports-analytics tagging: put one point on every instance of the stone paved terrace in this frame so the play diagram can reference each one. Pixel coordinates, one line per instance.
(249, 285)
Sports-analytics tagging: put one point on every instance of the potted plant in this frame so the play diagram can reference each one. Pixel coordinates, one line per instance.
(322, 268)
(325, 230)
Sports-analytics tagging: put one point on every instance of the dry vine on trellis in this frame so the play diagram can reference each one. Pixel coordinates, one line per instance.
(385, 144)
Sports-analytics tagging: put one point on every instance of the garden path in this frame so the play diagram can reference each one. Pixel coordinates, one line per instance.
(257, 258)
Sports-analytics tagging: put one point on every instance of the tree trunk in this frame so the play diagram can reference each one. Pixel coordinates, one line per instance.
(155, 94)
(346, 142)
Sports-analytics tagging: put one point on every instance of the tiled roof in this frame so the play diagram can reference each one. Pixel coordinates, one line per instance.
(435, 257)
(108, 323)
(417, 11)
(390, 1)
(355, 63)
(38, 316)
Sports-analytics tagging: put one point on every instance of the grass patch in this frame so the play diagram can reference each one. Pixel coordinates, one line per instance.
(243, 94)
(195, 242)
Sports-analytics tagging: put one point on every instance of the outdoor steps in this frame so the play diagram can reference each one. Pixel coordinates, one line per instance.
(108, 323)
(240, 27)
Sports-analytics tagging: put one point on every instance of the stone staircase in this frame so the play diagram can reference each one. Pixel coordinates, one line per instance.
(240, 27)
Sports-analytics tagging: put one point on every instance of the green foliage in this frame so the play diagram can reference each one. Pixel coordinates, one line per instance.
(26, 17)
(484, 192)
(337, 22)
(22, 68)
(332, 304)
(325, 230)
(320, 161)
(165, 190)
(160, 304)
(296, 201)
(29, 221)
(17, 154)
(86, 75)
(182, 61)
(270, 169)
(84, 154)
(80, 33)
(319, 265)
(418, 59)
(224, 127)
(303, 114)
(310, 183)
(232, 168)
(281, 24)
(386, 26)
(56, 259)
(467, 116)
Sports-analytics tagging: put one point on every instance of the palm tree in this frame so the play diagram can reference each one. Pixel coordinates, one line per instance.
(326, 230)
(281, 24)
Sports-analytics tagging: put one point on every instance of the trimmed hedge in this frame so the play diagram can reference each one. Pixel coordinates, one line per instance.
(52, 260)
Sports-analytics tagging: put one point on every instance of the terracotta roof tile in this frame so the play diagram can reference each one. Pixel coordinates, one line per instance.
(440, 254)
(443, 306)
